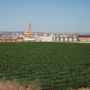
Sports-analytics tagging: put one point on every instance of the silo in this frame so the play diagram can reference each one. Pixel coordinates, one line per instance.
(75, 39)
(70, 39)
(66, 39)
(62, 39)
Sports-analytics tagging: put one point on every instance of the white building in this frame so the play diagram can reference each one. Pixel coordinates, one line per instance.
(47, 39)
(44, 39)
(29, 39)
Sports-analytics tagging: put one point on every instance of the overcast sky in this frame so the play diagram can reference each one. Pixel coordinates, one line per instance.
(68, 16)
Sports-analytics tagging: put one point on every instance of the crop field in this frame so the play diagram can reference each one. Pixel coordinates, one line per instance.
(54, 65)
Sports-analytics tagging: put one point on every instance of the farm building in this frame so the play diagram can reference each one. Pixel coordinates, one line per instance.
(65, 39)
(84, 38)
(29, 38)
(57, 38)
(47, 39)
(44, 39)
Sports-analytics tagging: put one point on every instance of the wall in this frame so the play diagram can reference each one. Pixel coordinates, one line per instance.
(84, 39)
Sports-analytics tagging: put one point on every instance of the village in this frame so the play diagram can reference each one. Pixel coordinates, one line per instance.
(29, 36)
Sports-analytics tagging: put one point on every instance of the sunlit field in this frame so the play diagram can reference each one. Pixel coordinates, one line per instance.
(54, 65)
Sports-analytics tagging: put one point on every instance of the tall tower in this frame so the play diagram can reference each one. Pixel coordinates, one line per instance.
(30, 28)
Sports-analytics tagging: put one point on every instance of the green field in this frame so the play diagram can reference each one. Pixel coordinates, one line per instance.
(54, 65)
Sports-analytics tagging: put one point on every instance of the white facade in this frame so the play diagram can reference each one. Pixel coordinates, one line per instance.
(61, 39)
(28, 39)
(74, 39)
(38, 39)
(55, 39)
(66, 39)
(83, 39)
(47, 39)
(44, 39)
(70, 39)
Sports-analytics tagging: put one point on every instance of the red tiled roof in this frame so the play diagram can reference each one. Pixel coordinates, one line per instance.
(84, 35)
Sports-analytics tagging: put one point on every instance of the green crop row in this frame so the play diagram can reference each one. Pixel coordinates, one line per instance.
(55, 65)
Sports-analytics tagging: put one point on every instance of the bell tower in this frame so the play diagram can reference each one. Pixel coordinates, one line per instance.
(30, 28)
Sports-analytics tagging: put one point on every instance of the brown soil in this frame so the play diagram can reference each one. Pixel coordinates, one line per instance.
(81, 89)
(12, 85)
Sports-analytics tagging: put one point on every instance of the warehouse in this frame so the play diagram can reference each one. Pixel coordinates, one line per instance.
(66, 38)
(84, 38)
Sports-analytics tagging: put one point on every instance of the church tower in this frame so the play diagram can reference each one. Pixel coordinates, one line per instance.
(29, 30)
